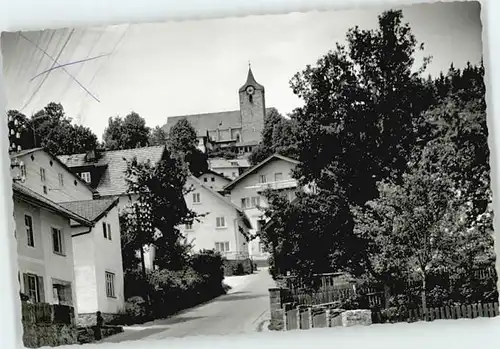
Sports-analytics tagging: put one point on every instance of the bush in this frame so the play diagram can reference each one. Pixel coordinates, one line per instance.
(238, 269)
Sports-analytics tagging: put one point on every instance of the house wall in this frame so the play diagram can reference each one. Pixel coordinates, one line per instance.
(108, 258)
(85, 272)
(205, 233)
(229, 172)
(40, 259)
(69, 191)
(246, 189)
(213, 181)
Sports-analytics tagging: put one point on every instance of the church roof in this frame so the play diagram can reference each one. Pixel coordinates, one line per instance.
(208, 121)
(251, 81)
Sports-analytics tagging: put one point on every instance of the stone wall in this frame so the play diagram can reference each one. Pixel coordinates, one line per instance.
(42, 335)
(356, 317)
(277, 311)
(90, 319)
(231, 266)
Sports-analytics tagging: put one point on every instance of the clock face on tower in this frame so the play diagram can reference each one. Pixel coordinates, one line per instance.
(250, 90)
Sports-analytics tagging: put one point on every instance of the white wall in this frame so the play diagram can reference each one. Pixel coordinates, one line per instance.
(85, 273)
(205, 233)
(213, 181)
(40, 259)
(69, 191)
(246, 188)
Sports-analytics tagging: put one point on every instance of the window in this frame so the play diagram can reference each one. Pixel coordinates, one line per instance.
(220, 222)
(42, 174)
(61, 292)
(110, 285)
(61, 179)
(262, 179)
(255, 201)
(45, 189)
(106, 230)
(57, 241)
(245, 202)
(85, 176)
(196, 198)
(32, 287)
(222, 246)
(205, 179)
(278, 177)
(213, 179)
(234, 163)
(23, 170)
(189, 226)
(30, 237)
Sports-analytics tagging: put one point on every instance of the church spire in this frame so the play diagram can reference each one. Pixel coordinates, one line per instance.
(251, 81)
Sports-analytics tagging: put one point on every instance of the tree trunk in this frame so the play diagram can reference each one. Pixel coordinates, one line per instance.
(423, 294)
(144, 274)
(387, 295)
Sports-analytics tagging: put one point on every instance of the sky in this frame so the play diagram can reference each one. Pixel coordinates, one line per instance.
(177, 68)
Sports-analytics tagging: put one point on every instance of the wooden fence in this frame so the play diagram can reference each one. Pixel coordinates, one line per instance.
(321, 317)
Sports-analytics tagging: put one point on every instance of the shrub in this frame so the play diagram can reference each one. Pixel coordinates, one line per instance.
(238, 269)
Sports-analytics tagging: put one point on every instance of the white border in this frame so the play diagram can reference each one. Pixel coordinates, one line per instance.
(37, 14)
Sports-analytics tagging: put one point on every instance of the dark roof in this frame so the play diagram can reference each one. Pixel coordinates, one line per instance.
(209, 121)
(33, 150)
(258, 166)
(225, 200)
(92, 210)
(113, 181)
(29, 196)
(251, 81)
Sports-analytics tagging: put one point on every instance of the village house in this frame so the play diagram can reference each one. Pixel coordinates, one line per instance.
(105, 171)
(229, 168)
(44, 247)
(273, 173)
(43, 174)
(236, 128)
(225, 226)
(97, 259)
(214, 180)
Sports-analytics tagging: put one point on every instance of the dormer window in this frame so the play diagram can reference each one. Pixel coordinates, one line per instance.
(85, 176)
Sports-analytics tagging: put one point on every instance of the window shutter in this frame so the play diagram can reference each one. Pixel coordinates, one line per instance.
(104, 230)
(41, 290)
(25, 284)
(109, 232)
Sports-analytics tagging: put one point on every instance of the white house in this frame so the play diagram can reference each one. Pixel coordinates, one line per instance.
(44, 247)
(97, 259)
(214, 180)
(229, 168)
(105, 171)
(44, 174)
(274, 173)
(224, 227)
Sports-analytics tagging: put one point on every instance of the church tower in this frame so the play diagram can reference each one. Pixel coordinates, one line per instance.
(252, 110)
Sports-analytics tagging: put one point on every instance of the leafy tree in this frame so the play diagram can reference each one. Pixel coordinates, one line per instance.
(126, 133)
(362, 108)
(52, 129)
(158, 136)
(183, 142)
(278, 136)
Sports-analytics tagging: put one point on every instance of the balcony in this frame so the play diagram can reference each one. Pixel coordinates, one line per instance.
(278, 185)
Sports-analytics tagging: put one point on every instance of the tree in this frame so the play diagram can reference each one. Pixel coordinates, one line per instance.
(183, 142)
(126, 133)
(158, 136)
(278, 136)
(362, 107)
(21, 134)
(52, 129)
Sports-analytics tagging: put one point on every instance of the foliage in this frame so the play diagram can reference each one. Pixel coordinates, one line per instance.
(126, 133)
(227, 153)
(183, 143)
(278, 136)
(157, 136)
(52, 129)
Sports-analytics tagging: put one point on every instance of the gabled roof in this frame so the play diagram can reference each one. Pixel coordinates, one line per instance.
(215, 174)
(92, 210)
(113, 181)
(257, 167)
(31, 197)
(21, 153)
(225, 200)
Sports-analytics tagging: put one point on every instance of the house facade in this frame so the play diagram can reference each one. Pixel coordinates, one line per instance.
(246, 191)
(214, 180)
(105, 171)
(97, 259)
(229, 168)
(44, 248)
(224, 226)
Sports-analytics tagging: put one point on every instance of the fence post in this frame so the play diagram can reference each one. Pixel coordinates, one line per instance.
(311, 322)
(299, 323)
(285, 324)
(327, 313)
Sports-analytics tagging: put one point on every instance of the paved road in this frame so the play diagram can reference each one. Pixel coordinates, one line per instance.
(240, 311)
